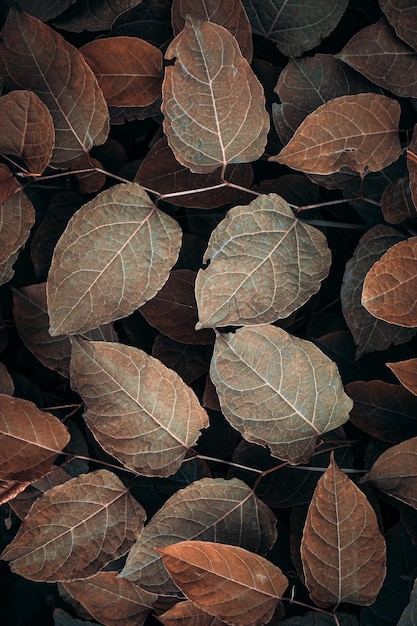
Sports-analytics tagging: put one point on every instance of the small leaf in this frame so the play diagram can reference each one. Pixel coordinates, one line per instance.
(409, 615)
(390, 285)
(397, 202)
(359, 131)
(88, 182)
(6, 381)
(96, 521)
(254, 249)
(406, 372)
(228, 582)
(111, 600)
(17, 217)
(342, 549)
(115, 254)
(278, 390)
(213, 104)
(30, 439)
(148, 417)
(8, 183)
(188, 614)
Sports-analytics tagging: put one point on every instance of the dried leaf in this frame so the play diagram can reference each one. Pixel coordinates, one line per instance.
(26, 129)
(115, 254)
(10, 489)
(188, 614)
(30, 439)
(148, 417)
(8, 183)
(397, 202)
(406, 372)
(390, 285)
(17, 217)
(226, 511)
(37, 58)
(24, 500)
(342, 549)
(278, 390)
(111, 600)
(359, 131)
(213, 104)
(96, 520)
(294, 31)
(369, 333)
(93, 15)
(128, 70)
(6, 381)
(377, 53)
(230, 15)
(254, 249)
(228, 582)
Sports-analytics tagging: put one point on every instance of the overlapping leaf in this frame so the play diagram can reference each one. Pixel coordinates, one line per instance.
(188, 614)
(397, 203)
(406, 372)
(343, 550)
(278, 390)
(17, 217)
(409, 615)
(225, 511)
(264, 264)
(93, 15)
(115, 254)
(6, 381)
(390, 285)
(35, 57)
(228, 582)
(213, 104)
(359, 131)
(148, 417)
(96, 521)
(150, 20)
(190, 361)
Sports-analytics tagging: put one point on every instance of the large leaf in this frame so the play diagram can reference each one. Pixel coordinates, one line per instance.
(93, 15)
(148, 418)
(30, 439)
(228, 582)
(213, 104)
(95, 521)
(17, 217)
(37, 58)
(280, 251)
(390, 285)
(359, 131)
(402, 15)
(226, 511)
(294, 28)
(26, 129)
(342, 549)
(115, 254)
(278, 390)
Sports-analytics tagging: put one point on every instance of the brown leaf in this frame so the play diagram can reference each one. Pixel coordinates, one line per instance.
(10, 489)
(111, 600)
(6, 381)
(26, 129)
(44, 11)
(88, 182)
(359, 131)
(237, 289)
(128, 70)
(342, 549)
(390, 285)
(402, 15)
(188, 614)
(397, 202)
(93, 15)
(161, 171)
(173, 311)
(23, 501)
(213, 104)
(230, 15)
(395, 471)
(383, 410)
(37, 58)
(228, 582)
(148, 417)
(190, 361)
(294, 31)
(8, 183)
(369, 333)
(412, 166)
(30, 439)
(377, 53)
(406, 372)
(119, 229)
(226, 511)
(278, 390)
(96, 521)
(17, 217)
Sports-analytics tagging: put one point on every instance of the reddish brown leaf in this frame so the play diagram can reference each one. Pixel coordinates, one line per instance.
(88, 182)
(213, 104)
(406, 372)
(26, 129)
(378, 54)
(230, 14)
(111, 600)
(10, 489)
(17, 217)
(24, 500)
(385, 411)
(342, 549)
(391, 284)
(397, 203)
(128, 70)
(228, 582)
(190, 361)
(6, 381)
(93, 15)
(44, 11)
(402, 15)
(359, 131)
(30, 439)
(37, 58)
(188, 614)
(210, 397)
(96, 521)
